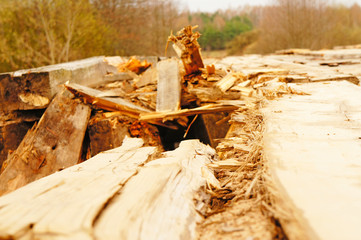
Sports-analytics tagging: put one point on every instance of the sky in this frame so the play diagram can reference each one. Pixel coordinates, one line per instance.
(213, 5)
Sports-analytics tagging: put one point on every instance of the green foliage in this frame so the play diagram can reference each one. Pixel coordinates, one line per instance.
(217, 30)
(236, 26)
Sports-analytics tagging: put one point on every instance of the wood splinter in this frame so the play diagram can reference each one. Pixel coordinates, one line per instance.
(188, 49)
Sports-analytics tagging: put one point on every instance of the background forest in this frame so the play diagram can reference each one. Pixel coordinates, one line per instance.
(42, 32)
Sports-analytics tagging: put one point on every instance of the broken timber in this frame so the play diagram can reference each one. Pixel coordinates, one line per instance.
(54, 144)
(187, 48)
(158, 202)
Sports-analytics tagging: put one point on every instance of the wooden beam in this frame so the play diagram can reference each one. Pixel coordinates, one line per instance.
(11, 134)
(54, 144)
(34, 88)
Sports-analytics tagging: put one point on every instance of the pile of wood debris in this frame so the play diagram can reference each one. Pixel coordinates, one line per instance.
(59, 116)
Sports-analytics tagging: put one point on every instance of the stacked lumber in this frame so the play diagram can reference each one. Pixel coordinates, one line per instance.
(110, 129)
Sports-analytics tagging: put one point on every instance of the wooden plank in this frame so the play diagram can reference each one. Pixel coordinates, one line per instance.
(65, 205)
(206, 109)
(34, 88)
(169, 86)
(54, 144)
(313, 146)
(158, 202)
(91, 96)
(122, 106)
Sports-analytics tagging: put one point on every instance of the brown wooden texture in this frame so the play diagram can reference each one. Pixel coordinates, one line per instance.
(34, 88)
(105, 134)
(217, 126)
(27, 91)
(11, 134)
(188, 49)
(54, 144)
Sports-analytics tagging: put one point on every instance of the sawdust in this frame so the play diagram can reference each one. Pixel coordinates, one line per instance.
(243, 207)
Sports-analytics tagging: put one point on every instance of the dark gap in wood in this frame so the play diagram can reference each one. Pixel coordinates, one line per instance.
(204, 130)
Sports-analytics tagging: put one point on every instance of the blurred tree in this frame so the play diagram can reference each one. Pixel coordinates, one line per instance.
(217, 29)
(239, 44)
(138, 27)
(40, 32)
(310, 24)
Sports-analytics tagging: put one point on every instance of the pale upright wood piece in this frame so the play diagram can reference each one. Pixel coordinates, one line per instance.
(169, 86)
(54, 144)
(65, 205)
(158, 203)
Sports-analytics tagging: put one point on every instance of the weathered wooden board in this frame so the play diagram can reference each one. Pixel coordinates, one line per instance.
(54, 144)
(65, 205)
(34, 88)
(169, 86)
(313, 145)
(158, 201)
(110, 196)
